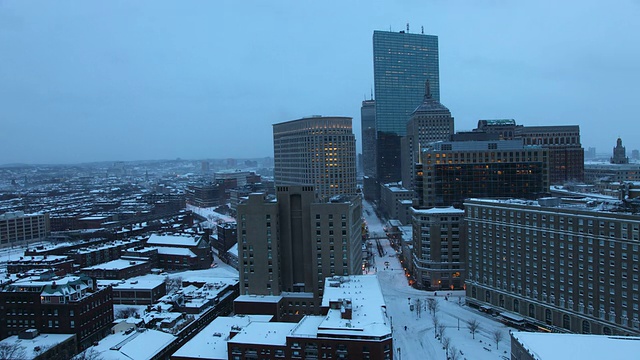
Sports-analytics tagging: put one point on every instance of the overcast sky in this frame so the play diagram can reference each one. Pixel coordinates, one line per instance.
(85, 81)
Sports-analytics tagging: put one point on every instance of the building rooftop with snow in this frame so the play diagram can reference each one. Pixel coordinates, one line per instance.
(545, 346)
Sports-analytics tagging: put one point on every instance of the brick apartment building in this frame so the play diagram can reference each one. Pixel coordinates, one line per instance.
(69, 305)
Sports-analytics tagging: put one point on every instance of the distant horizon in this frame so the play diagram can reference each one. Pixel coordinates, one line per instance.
(129, 161)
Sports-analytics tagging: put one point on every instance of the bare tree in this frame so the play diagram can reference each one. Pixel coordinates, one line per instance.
(433, 306)
(446, 342)
(441, 329)
(436, 322)
(453, 353)
(473, 326)
(497, 336)
(173, 284)
(12, 352)
(89, 354)
(126, 312)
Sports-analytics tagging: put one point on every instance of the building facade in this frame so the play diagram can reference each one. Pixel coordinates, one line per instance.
(70, 305)
(438, 259)
(595, 173)
(456, 170)
(565, 151)
(402, 63)
(619, 154)
(20, 228)
(292, 243)
(564, 265)
(352, 324)
(368, 136)
(429, 122)
(316, 151)
(395, 202)
(227, 237)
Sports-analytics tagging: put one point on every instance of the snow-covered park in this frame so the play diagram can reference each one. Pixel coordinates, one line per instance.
(415, 330)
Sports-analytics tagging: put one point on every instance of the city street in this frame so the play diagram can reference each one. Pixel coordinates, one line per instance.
(414, 333)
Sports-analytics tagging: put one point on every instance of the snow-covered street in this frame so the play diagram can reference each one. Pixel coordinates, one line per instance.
(414, 331)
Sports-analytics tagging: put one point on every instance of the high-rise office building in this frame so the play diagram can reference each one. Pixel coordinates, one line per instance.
(368, 128)
(457, 170)
(402, 63)
(566, 154)
(429, 122)
(316, 151)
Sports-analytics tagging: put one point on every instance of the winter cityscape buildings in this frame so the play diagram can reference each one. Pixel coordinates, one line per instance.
(295, 257)
(402, 63)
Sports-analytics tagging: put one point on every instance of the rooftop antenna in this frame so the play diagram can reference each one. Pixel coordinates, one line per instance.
(371, 93)
(407, 28)
(422, 29)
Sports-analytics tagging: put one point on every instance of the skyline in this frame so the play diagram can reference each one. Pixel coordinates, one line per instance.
(118, 81)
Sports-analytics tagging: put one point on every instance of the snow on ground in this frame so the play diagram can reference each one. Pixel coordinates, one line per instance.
(418, 340)
(213, 218)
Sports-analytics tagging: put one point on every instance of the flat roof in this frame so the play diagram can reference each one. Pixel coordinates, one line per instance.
(176, 251)
(369, 316)
(139, 345)
(179, 240)
(259, 333)
(43, 341)
(211, 342)
(259, 298)
(549, 346)
(118, 264)
(439, 210)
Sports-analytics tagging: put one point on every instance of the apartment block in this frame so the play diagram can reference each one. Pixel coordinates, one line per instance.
(568, 265)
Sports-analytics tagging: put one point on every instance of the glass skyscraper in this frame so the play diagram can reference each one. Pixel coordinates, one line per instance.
(402, 63)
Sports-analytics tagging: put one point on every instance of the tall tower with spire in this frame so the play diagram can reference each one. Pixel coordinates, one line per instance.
(619, 154)
(429, 122)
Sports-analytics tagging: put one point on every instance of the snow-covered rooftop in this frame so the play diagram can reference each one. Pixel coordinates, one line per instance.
(261, 333)
(368, 317)
(439, 210)
(117, 264)
(176, 251)
(211, 342)
(176, 240)
(139, 345)
(544, 346)
(41, 342)
(260, 298)
(139, 282)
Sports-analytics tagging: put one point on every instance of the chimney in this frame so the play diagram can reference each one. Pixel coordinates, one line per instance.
(346, 311)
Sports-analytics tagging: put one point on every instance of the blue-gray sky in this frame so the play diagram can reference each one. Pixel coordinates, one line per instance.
(88, 81)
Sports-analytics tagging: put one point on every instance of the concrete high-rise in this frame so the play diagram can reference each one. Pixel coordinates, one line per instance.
(402, 63)
(317, 151)
(290, 244)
